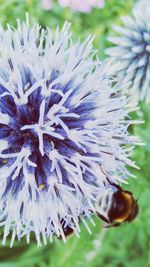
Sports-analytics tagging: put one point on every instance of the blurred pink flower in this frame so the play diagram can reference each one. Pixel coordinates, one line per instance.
(76, 5)
(47, 4)
(83, 6)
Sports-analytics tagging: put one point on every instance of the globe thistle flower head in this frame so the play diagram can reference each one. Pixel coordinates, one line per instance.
(132, 51)
(62, 132)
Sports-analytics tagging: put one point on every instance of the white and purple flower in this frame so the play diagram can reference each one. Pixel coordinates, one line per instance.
(132, 51)
(63, 131)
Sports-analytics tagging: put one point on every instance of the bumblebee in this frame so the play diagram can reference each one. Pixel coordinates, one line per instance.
(66, 229)
(123, 208)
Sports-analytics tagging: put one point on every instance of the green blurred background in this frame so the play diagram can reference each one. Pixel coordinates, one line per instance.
(125, 246)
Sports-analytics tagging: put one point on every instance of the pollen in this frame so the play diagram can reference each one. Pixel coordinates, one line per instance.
(41, 186)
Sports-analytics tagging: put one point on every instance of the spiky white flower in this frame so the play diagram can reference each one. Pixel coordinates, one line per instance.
(62, 132)
(132, 51)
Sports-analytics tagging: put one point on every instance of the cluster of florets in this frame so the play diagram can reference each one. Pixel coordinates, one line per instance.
(63, 131)
(132, 51)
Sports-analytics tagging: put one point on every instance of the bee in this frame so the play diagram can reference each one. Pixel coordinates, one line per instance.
(123, 208)
(66, 229)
